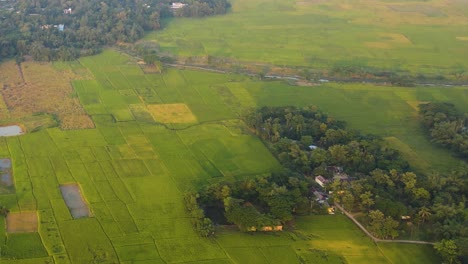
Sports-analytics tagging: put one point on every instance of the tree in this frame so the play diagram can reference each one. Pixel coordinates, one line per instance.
(244, 215)
(448, 250)
(424, 213)
(4, 211)
(377, 219)
(348, 200)
(390, 228)
(366, 200)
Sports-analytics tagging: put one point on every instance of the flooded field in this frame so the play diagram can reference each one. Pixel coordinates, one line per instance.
(74, 200)
(6, 177)
(8, 131)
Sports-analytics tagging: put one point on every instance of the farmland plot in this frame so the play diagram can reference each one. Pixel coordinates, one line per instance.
(133, 170)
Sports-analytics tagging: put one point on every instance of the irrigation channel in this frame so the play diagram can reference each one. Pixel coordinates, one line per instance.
(321, 80)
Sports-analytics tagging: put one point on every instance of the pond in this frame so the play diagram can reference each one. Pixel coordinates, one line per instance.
(14, 130)
(73, 197)
(6, 179)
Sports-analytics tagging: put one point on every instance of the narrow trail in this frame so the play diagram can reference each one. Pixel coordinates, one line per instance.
(20, 71)
(375, 239)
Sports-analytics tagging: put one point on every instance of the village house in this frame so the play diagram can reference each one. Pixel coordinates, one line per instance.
(67, 11)
(177, 5)
(321, 180)
(266, 228)
(46, 26)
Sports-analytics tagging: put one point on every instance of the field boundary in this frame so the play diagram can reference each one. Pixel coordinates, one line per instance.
(375, 239)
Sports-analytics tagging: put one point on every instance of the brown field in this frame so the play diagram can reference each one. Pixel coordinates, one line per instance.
(41, 89)
(22, 222)
(172, 113)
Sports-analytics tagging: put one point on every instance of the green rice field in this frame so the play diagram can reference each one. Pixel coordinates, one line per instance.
(158, 136)
(132, 170)
(418, 36)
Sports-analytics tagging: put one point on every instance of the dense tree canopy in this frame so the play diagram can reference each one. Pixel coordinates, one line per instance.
(63, 30)
(446, 126)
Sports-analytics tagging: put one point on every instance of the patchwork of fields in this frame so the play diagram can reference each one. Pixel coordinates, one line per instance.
(133, 168)
(419, 36)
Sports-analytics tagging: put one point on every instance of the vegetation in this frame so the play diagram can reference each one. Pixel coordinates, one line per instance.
(358, 39)
(54, 30)
(308, 142)
(133, 170)
(381, 177)
(137, 142)
(446, 126)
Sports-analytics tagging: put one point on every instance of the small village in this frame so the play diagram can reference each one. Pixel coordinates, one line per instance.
(321, 195)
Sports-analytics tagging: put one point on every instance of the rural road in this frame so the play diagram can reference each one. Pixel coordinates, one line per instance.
(378, 239)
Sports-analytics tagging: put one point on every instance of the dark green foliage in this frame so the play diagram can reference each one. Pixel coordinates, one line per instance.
(32, 27)
(203, 225)
(304, 139)
(446, 126)
(260, 202)
(3, 211)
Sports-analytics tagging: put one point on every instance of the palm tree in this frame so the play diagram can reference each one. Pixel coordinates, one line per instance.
(424, 213)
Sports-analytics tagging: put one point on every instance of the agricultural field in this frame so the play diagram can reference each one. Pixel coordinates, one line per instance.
(417, 36)
(38, 95)
(132, 169)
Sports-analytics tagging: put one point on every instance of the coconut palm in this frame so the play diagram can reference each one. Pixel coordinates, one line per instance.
(424, 213)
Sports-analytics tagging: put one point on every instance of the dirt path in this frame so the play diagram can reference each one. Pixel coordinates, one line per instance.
(20, 71)
(378, 239)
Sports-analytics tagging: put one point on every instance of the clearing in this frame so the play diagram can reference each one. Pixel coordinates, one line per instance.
(22, 222)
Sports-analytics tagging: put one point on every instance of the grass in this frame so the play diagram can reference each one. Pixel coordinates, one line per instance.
(420, 37)
(172, 113)
(396, 253)
(133, 171)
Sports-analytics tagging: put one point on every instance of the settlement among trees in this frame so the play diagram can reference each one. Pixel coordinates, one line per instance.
(64, 30)
(363, 174)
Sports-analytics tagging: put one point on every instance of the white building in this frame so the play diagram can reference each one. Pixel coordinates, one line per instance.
(177, 5)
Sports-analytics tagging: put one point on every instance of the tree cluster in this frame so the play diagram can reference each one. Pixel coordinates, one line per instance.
(446, 126)
(203, 225)
(394, 201)
(35, 27)
(309, 142)
(259, 202)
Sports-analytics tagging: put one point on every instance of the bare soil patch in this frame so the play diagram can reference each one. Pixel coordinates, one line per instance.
(22, 222)
(44, 90)
(172, 113)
